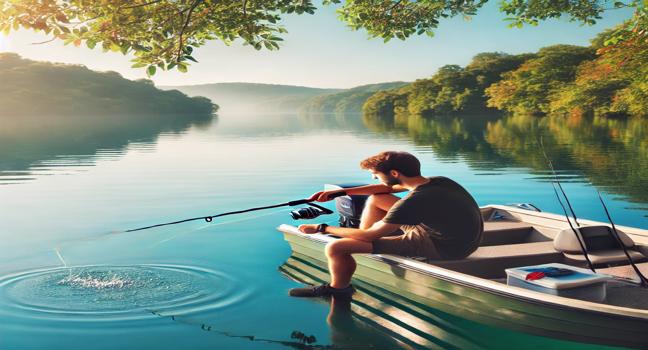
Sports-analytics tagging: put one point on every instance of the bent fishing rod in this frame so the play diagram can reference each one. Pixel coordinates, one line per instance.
(312, 211)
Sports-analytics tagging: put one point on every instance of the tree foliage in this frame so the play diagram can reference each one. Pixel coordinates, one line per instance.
(162, 34)
(571, 81)
(452, 89)
(599, 80)
(526, 90)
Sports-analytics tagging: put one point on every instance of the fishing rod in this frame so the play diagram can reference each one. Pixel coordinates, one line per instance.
(310, 212)
(642, 278)
(581, 242)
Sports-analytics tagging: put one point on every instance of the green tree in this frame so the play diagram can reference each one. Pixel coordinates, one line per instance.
(452, 89)
(382, 107)
(613, 84)
(163, 33)
(526, 90)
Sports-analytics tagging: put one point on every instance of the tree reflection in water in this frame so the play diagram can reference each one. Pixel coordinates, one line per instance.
(27, 142)
(610, 153)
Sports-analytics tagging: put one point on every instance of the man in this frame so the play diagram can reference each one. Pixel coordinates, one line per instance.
(438, 219)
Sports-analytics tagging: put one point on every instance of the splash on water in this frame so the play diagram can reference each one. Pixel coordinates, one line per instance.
(105, 293)
(95, 283)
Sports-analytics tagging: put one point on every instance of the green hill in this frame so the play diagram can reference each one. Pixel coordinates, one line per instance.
(346, 101)
(43, 88)
(252, 97)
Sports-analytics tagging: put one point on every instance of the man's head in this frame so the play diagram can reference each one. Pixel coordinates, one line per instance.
(390, 167)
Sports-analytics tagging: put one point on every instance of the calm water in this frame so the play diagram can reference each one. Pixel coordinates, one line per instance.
(69, 278)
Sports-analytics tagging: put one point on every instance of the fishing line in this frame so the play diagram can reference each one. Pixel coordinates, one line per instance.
(58, 253)
(218, 224)
(310, 212)
(57, 249)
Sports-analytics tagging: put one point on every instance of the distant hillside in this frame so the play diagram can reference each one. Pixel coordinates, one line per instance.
(251, 97)
(42, 88)
(346, 101)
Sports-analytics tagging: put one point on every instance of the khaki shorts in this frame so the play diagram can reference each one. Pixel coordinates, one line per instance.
(412, 241)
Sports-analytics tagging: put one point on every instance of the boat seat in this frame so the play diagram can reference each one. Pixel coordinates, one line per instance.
(602, 247)
(491, 261)
(505, 232)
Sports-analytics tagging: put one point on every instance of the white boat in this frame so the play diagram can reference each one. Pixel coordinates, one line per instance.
(610, 308)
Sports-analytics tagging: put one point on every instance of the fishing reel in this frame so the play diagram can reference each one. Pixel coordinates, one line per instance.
(310, 212)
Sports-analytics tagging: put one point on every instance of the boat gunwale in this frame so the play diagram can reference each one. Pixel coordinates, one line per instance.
(493, 287)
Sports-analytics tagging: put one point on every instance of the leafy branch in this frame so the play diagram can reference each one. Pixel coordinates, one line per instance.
(162, 34)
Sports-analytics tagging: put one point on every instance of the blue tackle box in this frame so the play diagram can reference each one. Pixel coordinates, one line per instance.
(582, 284)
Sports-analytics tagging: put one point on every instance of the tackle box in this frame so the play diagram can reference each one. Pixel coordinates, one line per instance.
(582, 284)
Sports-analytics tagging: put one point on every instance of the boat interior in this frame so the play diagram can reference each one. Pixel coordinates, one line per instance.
(513, 240)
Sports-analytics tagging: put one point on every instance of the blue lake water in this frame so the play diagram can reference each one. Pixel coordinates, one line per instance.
(70, 278)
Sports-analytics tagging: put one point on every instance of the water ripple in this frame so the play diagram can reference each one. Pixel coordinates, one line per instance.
(116, 293)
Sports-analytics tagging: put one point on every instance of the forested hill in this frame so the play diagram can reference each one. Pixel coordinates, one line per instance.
(42, 88)
(346, 101)
(562, 80)
(254, 98)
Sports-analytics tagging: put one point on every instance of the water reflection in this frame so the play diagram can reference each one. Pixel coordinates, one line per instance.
(377, 319)
(335, 121)
(611, 154)
(42, 145)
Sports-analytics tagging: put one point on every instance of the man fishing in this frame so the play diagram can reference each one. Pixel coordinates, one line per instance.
(437, 219)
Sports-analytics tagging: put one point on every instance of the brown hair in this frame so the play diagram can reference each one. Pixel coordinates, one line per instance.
(403, 162)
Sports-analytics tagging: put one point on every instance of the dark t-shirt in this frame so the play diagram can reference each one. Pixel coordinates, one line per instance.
(445, 210)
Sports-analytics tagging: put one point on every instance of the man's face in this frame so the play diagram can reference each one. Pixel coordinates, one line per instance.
(387, 179)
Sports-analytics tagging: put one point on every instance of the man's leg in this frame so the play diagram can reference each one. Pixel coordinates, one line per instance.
(376, 207)
(341, 263)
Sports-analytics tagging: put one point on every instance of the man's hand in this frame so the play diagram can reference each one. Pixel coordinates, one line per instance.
(308, 228)
(323, 196)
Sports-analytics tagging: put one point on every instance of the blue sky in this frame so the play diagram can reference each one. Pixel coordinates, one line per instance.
(321, 51)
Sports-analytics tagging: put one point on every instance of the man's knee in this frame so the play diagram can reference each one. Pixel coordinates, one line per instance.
(345, 246)
(334, 248)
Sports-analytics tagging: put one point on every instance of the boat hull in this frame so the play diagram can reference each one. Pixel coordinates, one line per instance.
(483, 301)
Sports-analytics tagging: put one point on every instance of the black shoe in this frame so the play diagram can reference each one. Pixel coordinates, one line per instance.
(323, 290)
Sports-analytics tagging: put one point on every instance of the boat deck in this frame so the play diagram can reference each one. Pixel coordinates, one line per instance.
(508, 242)
(625, 294)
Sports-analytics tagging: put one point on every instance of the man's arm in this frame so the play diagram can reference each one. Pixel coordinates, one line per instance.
(377, 230)
(373, 189)
(324, 196)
